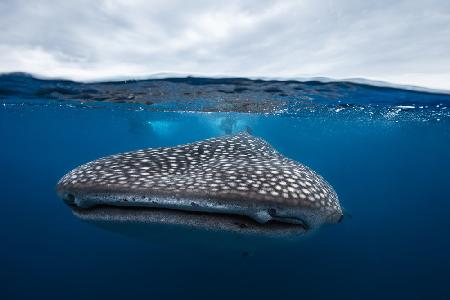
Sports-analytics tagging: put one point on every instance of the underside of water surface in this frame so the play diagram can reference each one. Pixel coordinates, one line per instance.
(386, 152)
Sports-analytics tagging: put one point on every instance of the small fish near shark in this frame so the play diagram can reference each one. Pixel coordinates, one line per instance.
(234, 183)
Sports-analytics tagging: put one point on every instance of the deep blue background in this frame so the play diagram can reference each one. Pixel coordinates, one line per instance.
(391, 174)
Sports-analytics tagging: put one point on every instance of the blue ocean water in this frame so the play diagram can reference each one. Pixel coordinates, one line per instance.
(388, 160)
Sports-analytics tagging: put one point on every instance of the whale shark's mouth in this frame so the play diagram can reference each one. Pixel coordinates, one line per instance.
(191, 220)
(186, 208)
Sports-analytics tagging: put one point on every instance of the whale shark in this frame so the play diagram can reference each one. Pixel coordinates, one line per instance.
(233, 182)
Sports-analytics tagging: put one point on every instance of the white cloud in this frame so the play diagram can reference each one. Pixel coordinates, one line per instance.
(398, 41)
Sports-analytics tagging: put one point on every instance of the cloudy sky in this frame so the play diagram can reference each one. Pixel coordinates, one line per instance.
(405, 42)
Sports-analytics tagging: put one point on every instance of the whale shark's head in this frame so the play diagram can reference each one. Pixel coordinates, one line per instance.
(237, 175)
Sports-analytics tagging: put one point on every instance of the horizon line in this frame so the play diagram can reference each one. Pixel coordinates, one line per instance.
(170, 75)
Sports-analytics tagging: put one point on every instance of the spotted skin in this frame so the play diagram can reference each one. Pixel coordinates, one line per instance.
(234, 174)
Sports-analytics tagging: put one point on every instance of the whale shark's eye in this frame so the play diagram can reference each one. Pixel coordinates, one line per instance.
(70, 198)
